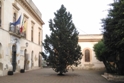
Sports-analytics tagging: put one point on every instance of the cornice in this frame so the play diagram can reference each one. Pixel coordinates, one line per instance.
(15, 5)
(25, 4)
(91, 35)
(89, 40)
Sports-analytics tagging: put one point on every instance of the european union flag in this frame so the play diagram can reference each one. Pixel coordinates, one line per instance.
(17, 22)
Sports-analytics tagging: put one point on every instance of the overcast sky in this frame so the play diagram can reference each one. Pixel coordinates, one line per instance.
(86, 14)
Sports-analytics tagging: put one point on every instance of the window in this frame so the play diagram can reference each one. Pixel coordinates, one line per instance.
(24, 24)
(87, 55)
(15, 29)
(32, 33)
(14, 17)
(15, 11)
(39, 36)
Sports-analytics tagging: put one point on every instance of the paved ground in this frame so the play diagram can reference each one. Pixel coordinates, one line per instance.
(47, 75)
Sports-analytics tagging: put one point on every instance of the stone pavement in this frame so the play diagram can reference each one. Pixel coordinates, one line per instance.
(47, 75)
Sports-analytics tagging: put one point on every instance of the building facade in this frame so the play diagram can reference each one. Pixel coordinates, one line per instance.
(89, 60)
(21, 34)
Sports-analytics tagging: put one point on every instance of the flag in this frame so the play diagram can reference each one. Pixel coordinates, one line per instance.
(17, 22)
(23, 26)
(21, 29)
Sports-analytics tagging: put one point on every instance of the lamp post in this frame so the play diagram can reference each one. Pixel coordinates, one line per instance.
(26, 44)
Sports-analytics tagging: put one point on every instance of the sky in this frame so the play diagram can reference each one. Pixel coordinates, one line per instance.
(86, 14)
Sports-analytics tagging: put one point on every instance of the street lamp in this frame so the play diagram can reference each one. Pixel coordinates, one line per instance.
(26, 44)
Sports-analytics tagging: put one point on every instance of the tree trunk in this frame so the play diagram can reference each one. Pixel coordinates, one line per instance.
(105, 65)
(61, 73)
(120, 67)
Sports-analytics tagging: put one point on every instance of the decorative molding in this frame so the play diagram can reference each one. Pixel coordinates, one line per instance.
(19, 36)
(89, 40)
(40, 28)
(32, 22)
(91, 35)
(27, 6)
(15, 6)
(26, 16)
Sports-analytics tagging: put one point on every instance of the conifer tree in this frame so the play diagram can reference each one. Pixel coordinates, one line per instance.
(114, 34)
(61, 47)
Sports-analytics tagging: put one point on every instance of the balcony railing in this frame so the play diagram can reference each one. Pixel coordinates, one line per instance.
(14, 30)
(23, 34)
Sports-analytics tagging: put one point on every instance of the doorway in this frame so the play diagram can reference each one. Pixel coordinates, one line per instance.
(25, 59)
(39, 62)
(32, 62)
(14, 57)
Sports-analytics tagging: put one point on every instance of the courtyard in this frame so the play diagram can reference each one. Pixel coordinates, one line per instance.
(47, 75)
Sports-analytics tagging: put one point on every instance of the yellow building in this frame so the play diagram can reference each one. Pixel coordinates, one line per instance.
(89, 61)
(21, 34)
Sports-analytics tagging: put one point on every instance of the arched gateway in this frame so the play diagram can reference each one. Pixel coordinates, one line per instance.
(14, 57)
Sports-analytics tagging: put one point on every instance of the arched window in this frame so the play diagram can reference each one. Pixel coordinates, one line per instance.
(87, 55)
